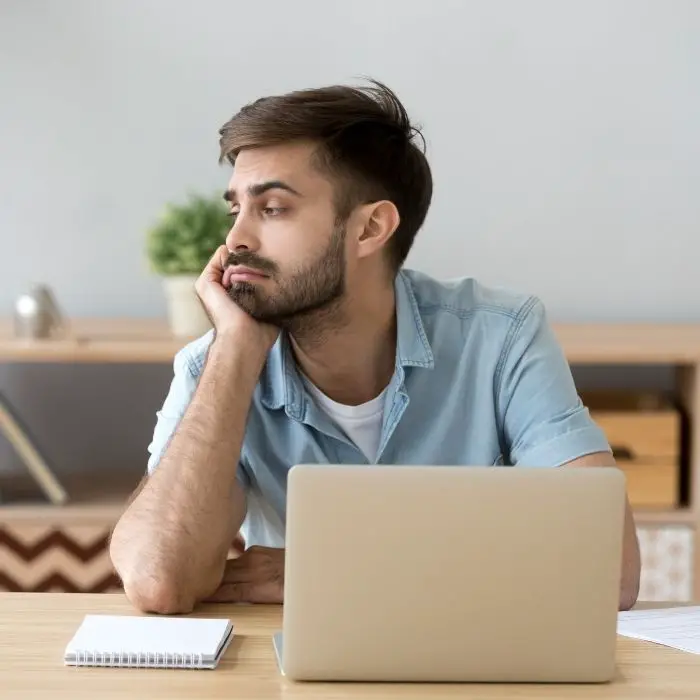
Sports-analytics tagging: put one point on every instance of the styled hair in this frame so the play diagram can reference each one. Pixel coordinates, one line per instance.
(365, 141)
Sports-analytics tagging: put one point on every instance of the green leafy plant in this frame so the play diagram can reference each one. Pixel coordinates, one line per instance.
(185, 237)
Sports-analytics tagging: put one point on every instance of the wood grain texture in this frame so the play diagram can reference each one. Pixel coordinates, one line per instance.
(35, 628)
(630, 343)
(646, 434)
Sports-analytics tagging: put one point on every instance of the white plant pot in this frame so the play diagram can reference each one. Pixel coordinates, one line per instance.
(186, 315)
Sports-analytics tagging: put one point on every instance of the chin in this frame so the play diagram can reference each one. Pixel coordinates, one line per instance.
(248, 300)
(244, 294)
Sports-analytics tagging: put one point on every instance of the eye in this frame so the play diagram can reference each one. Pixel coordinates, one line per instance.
(233, 215)
(273, 211)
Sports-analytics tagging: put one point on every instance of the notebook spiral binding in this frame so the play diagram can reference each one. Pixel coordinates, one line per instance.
(139, 659)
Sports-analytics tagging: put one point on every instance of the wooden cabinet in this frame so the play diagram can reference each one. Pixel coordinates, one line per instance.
(62, 550)
(646, 441)
(65, 548)
(55, 557)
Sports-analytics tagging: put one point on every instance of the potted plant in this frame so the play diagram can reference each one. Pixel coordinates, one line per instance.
(179, 246)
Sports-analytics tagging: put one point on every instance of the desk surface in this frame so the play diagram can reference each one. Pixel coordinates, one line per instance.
(147, 340)
(35, 628)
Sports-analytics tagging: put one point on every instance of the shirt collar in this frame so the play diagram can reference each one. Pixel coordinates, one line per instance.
(280, 384)
(412, 347)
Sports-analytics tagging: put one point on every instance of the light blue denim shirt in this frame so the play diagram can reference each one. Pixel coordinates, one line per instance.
(479, 380)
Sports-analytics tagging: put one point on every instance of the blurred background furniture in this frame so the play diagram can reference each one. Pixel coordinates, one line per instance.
(44, 546)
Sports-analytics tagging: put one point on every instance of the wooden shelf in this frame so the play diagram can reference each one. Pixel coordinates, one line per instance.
(104, 504)
(118, 340)
(98, 495)
(676, 516)
(674, 344)
(110, 506)
(149, 340)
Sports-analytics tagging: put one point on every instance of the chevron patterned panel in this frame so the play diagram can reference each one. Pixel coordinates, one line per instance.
(71, 558)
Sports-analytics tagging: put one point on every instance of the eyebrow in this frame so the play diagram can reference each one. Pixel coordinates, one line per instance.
(262, 187)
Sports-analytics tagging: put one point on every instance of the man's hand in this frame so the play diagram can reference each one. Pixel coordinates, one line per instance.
(224, 313)
(257, 576)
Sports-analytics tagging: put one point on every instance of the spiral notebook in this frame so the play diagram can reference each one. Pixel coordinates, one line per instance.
(149, 642)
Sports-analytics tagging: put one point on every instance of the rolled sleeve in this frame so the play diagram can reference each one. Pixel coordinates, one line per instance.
(543, 421)
(182, 388)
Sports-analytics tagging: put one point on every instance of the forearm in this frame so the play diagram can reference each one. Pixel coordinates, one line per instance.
(631, 563)
(170, 545)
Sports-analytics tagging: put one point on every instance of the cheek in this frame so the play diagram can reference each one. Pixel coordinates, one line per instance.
(294, 245)
(290, 251)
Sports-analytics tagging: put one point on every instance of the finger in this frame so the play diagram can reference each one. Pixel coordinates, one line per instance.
(241, 574)
(264, 593)
(239, 592)
(217, 264)
(209, 285)
(268, 592)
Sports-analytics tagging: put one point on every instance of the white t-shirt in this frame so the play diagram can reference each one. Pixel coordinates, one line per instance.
(362, 424)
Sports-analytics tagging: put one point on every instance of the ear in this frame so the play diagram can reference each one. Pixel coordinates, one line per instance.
(379, 221)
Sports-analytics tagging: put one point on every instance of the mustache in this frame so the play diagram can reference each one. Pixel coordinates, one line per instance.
(255, 262)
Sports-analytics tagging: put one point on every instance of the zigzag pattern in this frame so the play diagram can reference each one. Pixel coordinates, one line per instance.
(72, 559)
(58, 582)
(54, 539)
(75, 559)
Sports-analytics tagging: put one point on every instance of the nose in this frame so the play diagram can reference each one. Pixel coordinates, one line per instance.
(242, 236)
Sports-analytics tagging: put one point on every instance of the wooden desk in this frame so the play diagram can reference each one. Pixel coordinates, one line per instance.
(35, 628)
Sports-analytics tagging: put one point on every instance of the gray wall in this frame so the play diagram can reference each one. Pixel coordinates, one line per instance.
(563, 137)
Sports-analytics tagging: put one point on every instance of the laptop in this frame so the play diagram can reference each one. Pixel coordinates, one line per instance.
(451, 574)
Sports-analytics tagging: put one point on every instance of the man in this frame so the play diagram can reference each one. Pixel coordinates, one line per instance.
(326, 350)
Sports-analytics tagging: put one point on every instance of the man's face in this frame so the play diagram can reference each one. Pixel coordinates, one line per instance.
(285, 229)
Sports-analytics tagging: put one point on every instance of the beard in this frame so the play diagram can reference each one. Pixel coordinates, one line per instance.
(312, 291)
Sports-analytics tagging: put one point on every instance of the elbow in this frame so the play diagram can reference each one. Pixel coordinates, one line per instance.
(159, 597)
(628, 596)
(627, 601)
(149, 589)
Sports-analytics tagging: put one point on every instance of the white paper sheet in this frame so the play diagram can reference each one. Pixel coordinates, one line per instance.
(677, 627)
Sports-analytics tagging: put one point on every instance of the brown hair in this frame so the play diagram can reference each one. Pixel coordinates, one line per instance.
(365, 140)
